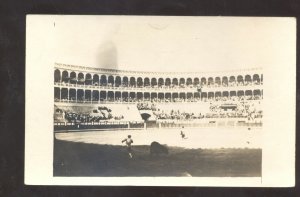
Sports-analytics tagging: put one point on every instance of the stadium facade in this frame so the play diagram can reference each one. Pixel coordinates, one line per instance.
(111, 95)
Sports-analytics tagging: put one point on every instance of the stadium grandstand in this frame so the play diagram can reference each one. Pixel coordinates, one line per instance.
(86, 97)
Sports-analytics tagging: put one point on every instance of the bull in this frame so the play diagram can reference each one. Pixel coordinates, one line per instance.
(157, 149)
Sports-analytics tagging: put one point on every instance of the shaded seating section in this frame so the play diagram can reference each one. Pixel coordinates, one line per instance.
(96, 113)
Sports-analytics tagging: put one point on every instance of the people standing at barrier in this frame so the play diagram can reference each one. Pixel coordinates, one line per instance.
(128, 142)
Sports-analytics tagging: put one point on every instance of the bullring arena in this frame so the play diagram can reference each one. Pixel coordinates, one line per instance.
(220, 112)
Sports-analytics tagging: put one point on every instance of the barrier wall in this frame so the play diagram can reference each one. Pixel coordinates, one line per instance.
(91, 125)
(114, 125)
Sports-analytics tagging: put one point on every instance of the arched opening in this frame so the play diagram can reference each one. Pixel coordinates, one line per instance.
(110, 80)
(88, 79)
(218, 95)
(189, 81)
(248, 93)
(240, 93)
(256, 94)
(168, 96)
(117, 96)
(197, 95)
(132, 82)
(153, 96)
(118, 81)
(153, 82)
(102, 95)
(147, 96)
(64, 94)
(140, 82)
(175, 82)
(72, 95)
(231, 80)
(110, 96)
(56, 75)
(95, 95)
(196, 81)
(203, 95)
(224, 81)
(168, 82)
(256, 79)
(232, 93)
(103, 80)
(240, 80)
(56, 94)
(189, 95)
(125, 96)
(210, 81)
(182, 95)
(145, 116)
(125, 81)
(139, 96)
(175, 96)
(73, 79)
(210, 95)
(161, 96)
(88, 95)
(146, 82)
(65, 77)
(160, 82)
(248, 79)
(225, 94)
(218, 81)
(80, 79)
(95, 79)
(181, 81)
(131, 96)
(203, 81)
(80, 95)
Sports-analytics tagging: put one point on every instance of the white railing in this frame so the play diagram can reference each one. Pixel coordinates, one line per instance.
(159, 88)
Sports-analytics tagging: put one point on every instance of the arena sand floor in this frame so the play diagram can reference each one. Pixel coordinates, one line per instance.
(207, 152)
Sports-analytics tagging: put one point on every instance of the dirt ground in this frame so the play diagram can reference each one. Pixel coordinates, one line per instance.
(210, 138)
(86, 159)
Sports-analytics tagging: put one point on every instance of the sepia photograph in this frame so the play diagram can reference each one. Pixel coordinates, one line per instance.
(110, 122)
(157, 97)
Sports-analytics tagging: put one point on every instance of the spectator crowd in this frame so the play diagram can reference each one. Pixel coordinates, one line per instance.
(99, 114)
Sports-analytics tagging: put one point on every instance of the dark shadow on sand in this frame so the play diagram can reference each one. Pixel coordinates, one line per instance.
(80, 159)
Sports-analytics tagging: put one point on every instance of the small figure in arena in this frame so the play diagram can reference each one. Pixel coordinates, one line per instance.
(182, 133)
(128, 142)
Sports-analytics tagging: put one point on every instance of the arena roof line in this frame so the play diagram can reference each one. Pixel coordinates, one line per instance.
(87, 68)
